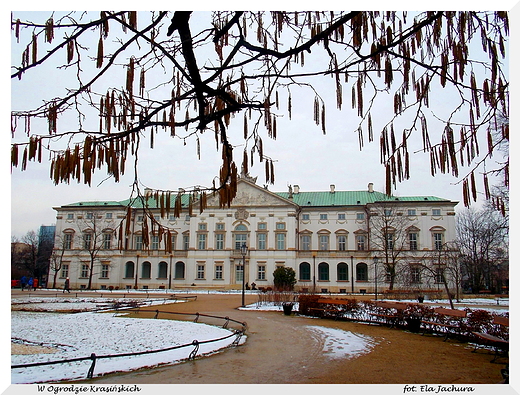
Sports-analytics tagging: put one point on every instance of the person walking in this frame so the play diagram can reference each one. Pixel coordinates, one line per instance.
(67, 285)
(23, 282)
(30, 284)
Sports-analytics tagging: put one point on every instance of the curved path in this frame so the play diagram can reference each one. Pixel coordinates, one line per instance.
(280, 350)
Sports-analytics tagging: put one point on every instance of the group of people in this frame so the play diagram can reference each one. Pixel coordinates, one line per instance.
(29, 283)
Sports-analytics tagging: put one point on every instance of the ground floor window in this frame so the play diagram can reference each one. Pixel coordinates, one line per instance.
(200, 272)
(163, 270)
(305, 271)
(342, 272)
(104, 271)
(239, 274)
(361, 272)
(219, 270)
(179, 270)
(129, 269)
(323, 271)
(261, 272)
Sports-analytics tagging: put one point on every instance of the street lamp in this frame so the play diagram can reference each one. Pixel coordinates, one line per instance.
(314, 272)
(376, 260)
(243, 251)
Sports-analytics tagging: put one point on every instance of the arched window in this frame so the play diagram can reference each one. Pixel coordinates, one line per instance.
(129, 269)
(323, 271)
(179, 270)
(146, 270)
(240, 236)
(361, 272)
(305, 271)
(163, 270)
(342, 271)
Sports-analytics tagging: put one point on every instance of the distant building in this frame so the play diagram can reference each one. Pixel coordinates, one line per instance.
(327, 237)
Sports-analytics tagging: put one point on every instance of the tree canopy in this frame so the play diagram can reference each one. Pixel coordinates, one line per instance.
(437, 78)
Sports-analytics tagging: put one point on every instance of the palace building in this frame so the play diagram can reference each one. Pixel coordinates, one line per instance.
(334, 241)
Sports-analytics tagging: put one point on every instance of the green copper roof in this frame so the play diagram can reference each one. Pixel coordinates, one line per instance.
(304, 199)
(351, 198)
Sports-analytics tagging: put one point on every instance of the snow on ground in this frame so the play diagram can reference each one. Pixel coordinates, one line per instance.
(338, 343)
(79, 335)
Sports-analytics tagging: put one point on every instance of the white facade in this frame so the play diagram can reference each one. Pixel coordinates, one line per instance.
(324, 236)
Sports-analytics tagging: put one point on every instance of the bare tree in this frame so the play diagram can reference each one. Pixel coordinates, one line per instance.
(56, 259)
(389, 231)
(191, 75)
(482, 237)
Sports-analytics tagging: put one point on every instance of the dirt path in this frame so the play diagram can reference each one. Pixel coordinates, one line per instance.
(280, 349)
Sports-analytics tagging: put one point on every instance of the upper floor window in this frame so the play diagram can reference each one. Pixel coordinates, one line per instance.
(360, 242)
(220, 226)
(437, 241)
(262, 241)
(138, 242)
(389, 241)
(108, 215)
(203, 226)
(436, 211)
(360, 216)
(305, 217)
(323, 217)
(306, 242)
(70, 216)
(107, 240)
(202, 241)
(90, 215)
(412, 239)
(262, 226)
(240, 236)
(412, 212)
(280, 225)
(87, 241)
(155, 242)
(342, 243)
(67, 241)
(342, 216)
(387, 212)
(280, 241)
(324, 242)
(219, 241)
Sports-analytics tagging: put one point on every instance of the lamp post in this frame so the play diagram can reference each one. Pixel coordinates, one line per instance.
(376, 260)
(314, 272)
(352, 272)
(170, 273)
(243, 251)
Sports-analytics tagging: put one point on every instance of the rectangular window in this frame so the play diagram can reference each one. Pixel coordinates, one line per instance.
(139, 242)
(67, 241)
(84, 271)
(341, 216)
(280, 225)
(436, 212)
(306, 243)
(280, 241)
(200, 272)
(437, 241)
(439, 275)
(261, 272)
(323, 217)
(201, 245)
(220, 227)
(412, 212)
(360, 216)
(412, 238)
(239, 274)
(219, 269)
(415, 274)
(65, 271)
(219, 241)
(324, 242)
(70, 216)
(108, 215)
(389, 238)
(87, 238)
(174, 240)
(388, 212)
(360, 242)
(203, 226)
(306, 217)
(155, 242)
(342, 243)
(104, 271)
(186, 242)
(262, 226)
(90, 215)
(107, 238)
(262, 241)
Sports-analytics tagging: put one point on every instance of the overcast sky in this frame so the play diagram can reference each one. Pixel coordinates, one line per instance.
(302, 154)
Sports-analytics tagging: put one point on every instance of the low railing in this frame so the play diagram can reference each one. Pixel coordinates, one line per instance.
(238, 333)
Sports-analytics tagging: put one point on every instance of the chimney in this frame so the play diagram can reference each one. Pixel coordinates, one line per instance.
(370, 187)
(296, 189)
(332, 188)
